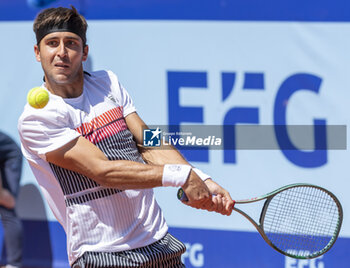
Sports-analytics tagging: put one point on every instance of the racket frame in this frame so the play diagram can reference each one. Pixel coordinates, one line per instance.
(269, 196)
(260, 227)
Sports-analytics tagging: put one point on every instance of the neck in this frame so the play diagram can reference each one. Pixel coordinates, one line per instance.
(70, 89)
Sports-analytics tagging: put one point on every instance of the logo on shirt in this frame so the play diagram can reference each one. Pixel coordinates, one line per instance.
(152, 137)
(111, 98)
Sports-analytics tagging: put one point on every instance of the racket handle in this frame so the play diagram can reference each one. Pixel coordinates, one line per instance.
(181, 195)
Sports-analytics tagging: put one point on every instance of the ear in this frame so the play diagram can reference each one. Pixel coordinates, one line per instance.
(37, 53)
(85, 52)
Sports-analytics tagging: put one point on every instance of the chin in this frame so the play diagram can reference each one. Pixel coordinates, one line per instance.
(61, 79)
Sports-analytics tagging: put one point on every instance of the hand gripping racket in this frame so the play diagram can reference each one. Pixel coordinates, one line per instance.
(299, 220)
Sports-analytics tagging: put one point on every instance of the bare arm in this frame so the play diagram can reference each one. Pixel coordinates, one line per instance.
(81, 156)
(166, 154)
(196, 191)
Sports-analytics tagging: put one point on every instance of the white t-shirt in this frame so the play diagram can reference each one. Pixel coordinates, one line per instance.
(95, 218)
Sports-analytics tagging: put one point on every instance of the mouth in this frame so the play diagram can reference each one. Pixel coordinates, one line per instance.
(61, 65)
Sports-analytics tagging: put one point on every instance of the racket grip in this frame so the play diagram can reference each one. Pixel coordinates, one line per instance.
(181, 195)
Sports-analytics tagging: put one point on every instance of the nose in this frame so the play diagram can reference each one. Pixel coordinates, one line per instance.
(61, 50)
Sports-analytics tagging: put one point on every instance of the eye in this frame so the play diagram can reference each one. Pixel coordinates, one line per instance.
(52, 43)
(71, 43)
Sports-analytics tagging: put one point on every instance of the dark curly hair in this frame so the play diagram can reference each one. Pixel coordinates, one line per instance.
(59, 19)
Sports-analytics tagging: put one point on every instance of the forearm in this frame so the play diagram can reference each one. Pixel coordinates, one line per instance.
(166, 154)
(123, 174)
(82, 156)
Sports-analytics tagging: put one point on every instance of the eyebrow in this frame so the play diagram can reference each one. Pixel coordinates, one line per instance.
(66, 37)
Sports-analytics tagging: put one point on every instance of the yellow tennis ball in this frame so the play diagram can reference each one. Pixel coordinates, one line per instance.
(38, 97)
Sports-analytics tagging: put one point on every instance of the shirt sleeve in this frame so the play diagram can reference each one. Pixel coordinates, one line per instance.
(43, 131)
(128, 104)
(122, 95)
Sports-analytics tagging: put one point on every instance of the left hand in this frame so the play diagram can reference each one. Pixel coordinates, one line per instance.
(221, 199)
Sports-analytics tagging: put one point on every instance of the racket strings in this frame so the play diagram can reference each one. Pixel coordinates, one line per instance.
(306, 226)
(301, 220)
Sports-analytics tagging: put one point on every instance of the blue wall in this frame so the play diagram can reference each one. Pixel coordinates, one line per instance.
(209, 63)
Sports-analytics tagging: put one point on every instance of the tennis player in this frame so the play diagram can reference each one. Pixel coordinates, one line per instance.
(82, 148)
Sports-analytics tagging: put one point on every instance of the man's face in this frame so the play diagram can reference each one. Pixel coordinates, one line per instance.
(61, 55)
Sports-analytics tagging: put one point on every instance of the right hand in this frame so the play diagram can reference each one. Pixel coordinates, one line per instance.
(197, 192)
(7, 200)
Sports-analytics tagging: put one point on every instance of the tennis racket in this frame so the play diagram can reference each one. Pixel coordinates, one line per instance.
(301, 221)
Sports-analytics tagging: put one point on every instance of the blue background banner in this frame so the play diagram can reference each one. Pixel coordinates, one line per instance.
(238, 10)
(207, 63)
(205, 248)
